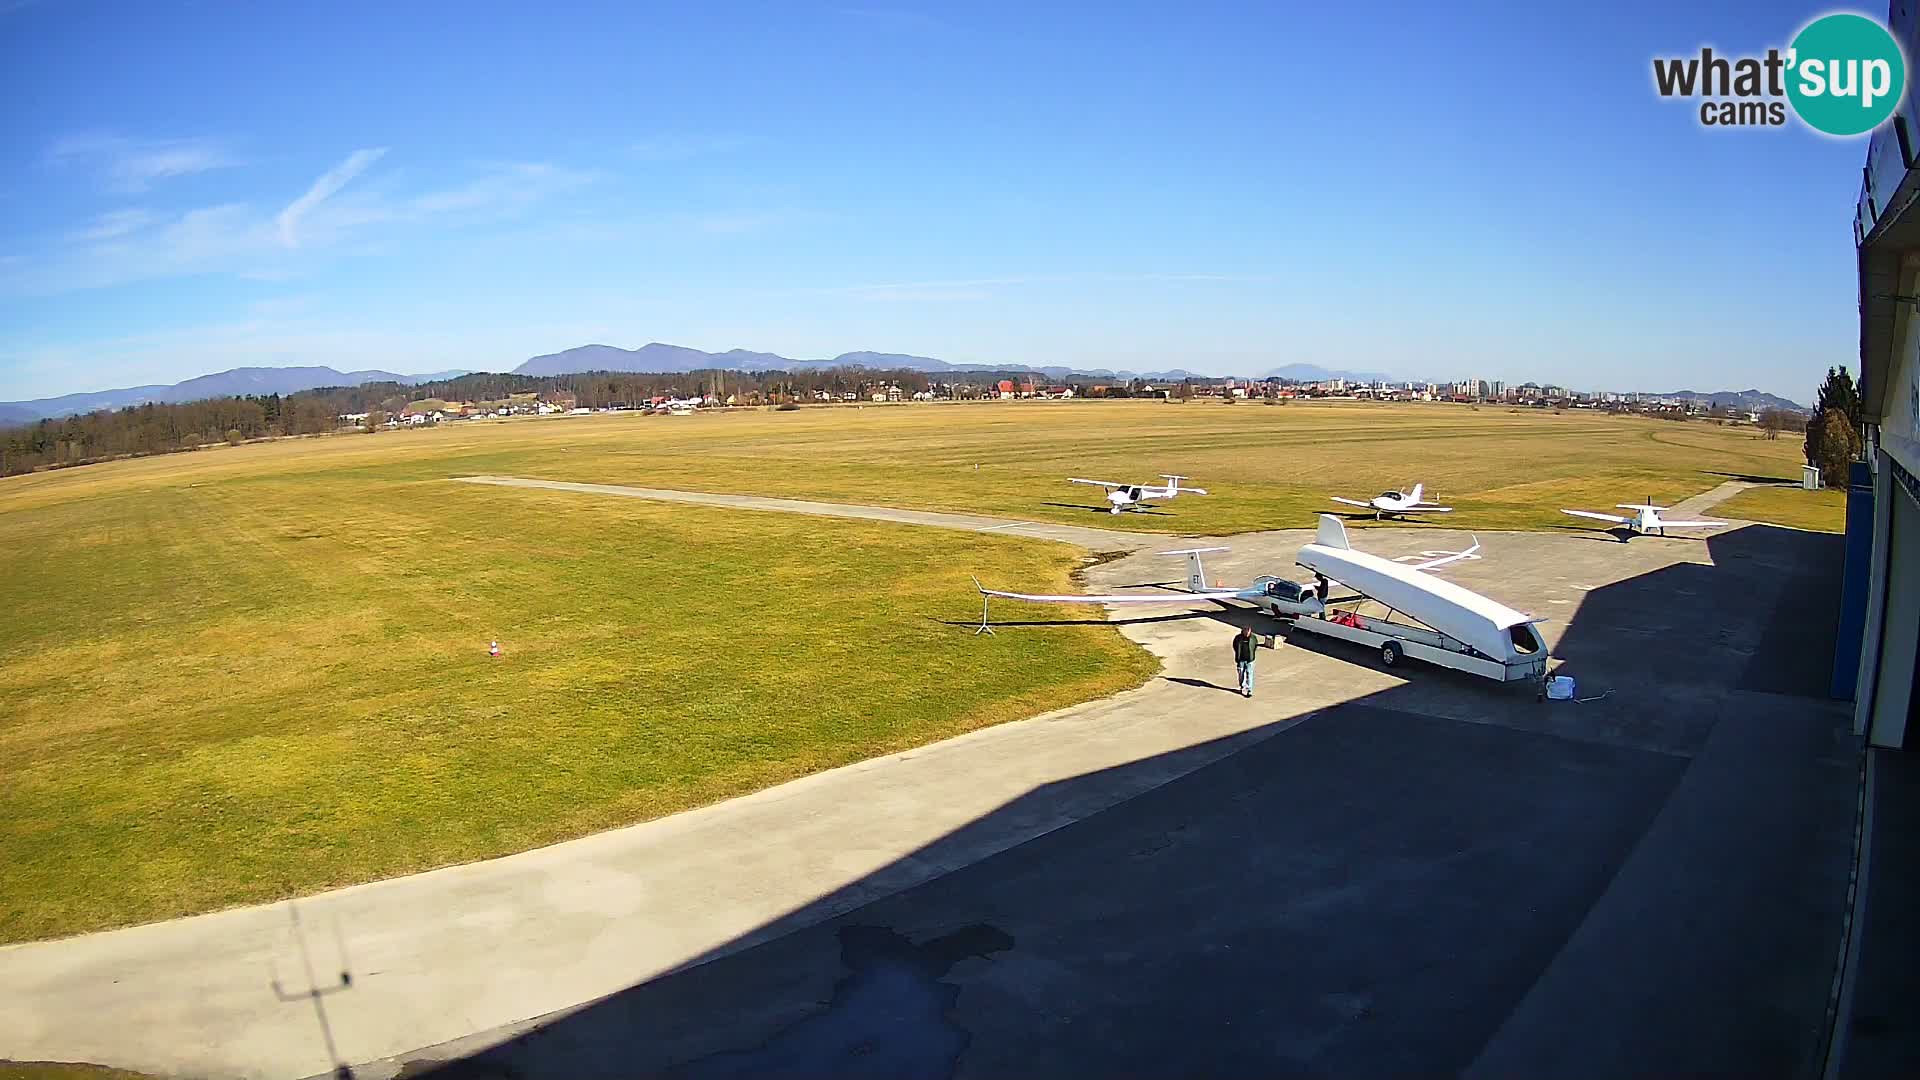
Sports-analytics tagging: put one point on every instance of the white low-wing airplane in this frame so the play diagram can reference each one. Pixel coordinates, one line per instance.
(1277, 596)
(1392, 503)
(1126, 496)
(1646, 519)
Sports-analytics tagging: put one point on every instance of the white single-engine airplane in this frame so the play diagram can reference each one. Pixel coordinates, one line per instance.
(1394, 503)
(1646, 519)
(1127, 496)
(1280, 597)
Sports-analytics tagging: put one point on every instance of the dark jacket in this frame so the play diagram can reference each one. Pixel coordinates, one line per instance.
(1243, 648)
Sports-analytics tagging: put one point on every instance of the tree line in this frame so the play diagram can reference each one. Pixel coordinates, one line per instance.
(1832, 434)
(160, 428)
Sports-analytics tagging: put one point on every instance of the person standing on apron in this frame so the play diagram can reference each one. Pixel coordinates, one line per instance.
(1244, 646)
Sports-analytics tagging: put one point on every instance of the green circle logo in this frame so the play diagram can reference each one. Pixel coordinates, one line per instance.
(1846, 74)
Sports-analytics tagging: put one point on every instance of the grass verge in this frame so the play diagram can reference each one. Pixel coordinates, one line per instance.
(1820, 511)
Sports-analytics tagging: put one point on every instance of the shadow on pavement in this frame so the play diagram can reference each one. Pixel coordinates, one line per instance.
(1200, 684)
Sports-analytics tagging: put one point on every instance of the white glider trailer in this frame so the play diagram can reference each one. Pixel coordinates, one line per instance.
(1453, 627)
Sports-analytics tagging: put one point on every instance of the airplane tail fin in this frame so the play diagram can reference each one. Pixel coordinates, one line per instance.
(1196, 573)
(1415, 495)
(1174, 488)
(1332, 533)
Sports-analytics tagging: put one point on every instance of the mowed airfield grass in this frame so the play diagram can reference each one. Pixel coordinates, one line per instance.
(1819, 511)
(1266, 467)
(252, 683)
(254, 672)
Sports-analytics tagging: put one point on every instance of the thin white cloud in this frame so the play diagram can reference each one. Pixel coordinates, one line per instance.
(113, 224)
(244, 240)
(323, 189)
(504, 187)
(130, 165)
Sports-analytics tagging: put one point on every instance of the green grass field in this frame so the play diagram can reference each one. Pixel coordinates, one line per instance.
(1821, 511)
(253, 672)
(258, 682)
(1268, 466)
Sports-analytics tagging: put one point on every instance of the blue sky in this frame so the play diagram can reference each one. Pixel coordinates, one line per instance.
(1436, 190)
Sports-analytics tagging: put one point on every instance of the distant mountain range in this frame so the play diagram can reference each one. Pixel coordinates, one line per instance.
(1315, 373)
(658, 357)
(1753, 400)
(235, 383)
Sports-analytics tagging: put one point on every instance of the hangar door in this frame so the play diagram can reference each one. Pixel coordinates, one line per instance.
(1893, 698)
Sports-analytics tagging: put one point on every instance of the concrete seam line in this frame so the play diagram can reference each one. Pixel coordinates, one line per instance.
(1847, 957)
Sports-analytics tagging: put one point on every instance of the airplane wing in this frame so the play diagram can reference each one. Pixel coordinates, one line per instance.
(1096, 483)
(1615, 518)
(1353, 502)
(1665, 524)
(1438, 559)
(1117, 598)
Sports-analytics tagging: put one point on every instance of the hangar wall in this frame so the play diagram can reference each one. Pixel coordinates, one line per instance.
(1887, 234)
(1873, 1035)
(1890, 712)
(1890, 645)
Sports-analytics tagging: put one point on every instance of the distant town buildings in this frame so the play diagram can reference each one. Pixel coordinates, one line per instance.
(856, 386)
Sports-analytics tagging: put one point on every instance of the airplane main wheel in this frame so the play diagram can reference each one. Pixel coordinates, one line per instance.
(1390, 653)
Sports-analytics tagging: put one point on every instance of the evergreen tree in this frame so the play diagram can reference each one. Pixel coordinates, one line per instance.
(1833, 437)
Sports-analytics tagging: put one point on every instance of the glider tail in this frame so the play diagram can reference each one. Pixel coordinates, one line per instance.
(1196, 573)
(1332, 534)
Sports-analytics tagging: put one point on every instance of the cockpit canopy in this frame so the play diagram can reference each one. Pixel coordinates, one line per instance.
(1394, 495)
(1282, 589)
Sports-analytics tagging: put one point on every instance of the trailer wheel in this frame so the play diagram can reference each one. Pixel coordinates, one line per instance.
(1390, 653)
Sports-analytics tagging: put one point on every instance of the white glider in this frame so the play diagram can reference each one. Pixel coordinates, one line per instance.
(1277, 596)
